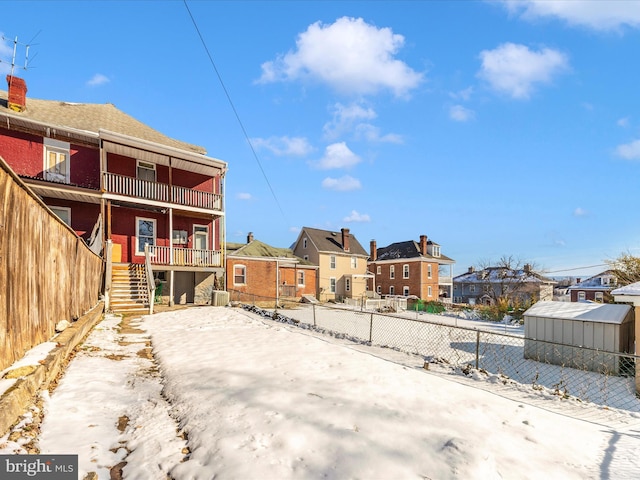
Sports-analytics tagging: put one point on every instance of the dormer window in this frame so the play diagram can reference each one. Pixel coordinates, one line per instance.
(435, 251)
(56, 161)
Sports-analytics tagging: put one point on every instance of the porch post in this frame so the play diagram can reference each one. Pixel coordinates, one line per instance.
(171, 302)
(171, 236)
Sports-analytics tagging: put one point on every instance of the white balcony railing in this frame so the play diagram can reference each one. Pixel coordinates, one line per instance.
(185, 257)
(133, 187)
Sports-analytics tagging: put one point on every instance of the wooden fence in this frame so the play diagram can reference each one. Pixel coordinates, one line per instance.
(47, 273)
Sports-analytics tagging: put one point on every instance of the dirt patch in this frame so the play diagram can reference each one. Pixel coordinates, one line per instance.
(117, 358)
(123, 421)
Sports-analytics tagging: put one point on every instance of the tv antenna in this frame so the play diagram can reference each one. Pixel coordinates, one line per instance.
(16, 61)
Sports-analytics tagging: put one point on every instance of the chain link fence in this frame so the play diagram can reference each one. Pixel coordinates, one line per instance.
(586, 375)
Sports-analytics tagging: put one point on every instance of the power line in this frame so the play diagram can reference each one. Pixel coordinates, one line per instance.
(579, 268)
(235, 112)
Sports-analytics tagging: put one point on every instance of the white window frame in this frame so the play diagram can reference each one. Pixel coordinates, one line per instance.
(379, 289)
(354, 263)
(436, 251)
(405, 270)
(332, 284)
(301, 278)
(203, 229)
(378, 270)
(405, 291)
(151, 167)
(429, 291)
(306, 257)
(582, 295)
(244, 274)
(392, 272)
(598, 297)
(332, 262)
(429, 271)
(65, 211)
(155, 233)
(59, 149)
(392, 290)
(304, 242)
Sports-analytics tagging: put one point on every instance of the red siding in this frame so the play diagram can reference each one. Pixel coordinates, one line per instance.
(83, 215)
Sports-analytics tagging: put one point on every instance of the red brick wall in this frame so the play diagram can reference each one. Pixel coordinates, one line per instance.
(418, 281)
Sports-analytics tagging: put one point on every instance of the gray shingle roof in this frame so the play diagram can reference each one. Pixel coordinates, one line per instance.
(90, 117)
(328, 241)
(258, 249)
(407, 249)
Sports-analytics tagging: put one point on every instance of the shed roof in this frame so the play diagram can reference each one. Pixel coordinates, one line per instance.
(632, 289)
(582, 311)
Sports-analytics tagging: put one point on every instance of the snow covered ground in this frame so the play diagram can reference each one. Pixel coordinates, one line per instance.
(232, 395)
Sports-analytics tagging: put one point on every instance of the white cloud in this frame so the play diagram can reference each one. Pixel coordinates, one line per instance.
(244, 196)
(352, 119)
(461, 114)
(580, 212)
(515, 69)
(462, 94)
(357, 217)
(342, 184)
(623, 122)
(284, 146)
(597, 15)
(98, 79)
(629, 151)
(338, 155)
(349, 55)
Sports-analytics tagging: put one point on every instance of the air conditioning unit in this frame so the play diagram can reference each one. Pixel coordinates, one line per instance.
(220, 298)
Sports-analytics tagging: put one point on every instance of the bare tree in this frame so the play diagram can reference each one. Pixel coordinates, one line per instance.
(626, 268)
(509, 281)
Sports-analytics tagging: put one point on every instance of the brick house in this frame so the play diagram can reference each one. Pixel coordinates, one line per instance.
(596, 289)
(411, 268)
(483, 287)
(341, 261)
(257, 272)
(121, 186)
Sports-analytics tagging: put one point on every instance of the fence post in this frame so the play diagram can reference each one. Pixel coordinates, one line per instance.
(371, 329)
(477, 349)
(314, 315)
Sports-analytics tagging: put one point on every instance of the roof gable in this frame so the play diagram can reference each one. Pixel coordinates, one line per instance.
(329, 241)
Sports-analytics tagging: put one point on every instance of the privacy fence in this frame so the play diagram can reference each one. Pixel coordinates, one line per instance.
(47, 273)
(570, 372)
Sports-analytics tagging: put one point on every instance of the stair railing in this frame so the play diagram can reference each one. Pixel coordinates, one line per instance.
(151, 283)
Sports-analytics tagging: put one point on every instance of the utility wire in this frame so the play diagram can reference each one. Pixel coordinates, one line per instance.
(235, 112)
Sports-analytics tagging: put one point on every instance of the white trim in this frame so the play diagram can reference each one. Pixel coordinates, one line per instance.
(155, 233)
(53, 208)
(206, 232)
(244, 273)
(60, 149)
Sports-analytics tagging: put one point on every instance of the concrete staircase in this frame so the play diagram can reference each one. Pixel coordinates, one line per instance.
(129, 288)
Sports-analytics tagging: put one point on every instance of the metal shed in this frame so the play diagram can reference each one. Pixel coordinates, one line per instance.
(581, 335)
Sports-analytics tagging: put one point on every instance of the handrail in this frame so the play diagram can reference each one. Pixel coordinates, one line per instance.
(151, 283)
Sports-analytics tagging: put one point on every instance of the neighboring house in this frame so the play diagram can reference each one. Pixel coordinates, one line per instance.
(596, 289)
(342, 262)
(411, 268)
(121, 186)
(489, 284)
(257, 272)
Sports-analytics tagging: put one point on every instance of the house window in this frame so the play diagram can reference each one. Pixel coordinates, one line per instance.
(405, 271)
(487, 288)
(379, 289)
(332, 284)
(347, 284)
(239, 275)
(63, 213)
(304, 242)
(200, 237)
(392, 271)
(146, 171)
(354, 262)
(472, 288)
(56, 161)
(429, 271)
(179, 237)
(599, 297)
(332, 262)
(306, 257)
(301, 279)
(391, 290)
(145, 233)
(379, 270)
(436, 250)
(405, 291)
(429, 291)
(582, 296)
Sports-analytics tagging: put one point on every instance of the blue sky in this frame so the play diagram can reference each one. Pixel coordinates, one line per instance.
(494, 128)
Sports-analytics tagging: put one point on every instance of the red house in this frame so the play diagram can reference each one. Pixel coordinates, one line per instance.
(122, 186)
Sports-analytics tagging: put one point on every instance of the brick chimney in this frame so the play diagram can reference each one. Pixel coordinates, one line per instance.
(423, 244)
(373, 250)
(345, 239)
(17, 93)
(471, 270)
(250, 237)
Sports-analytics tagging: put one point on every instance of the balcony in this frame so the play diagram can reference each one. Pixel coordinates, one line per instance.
(161, 192)
(185, 257)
